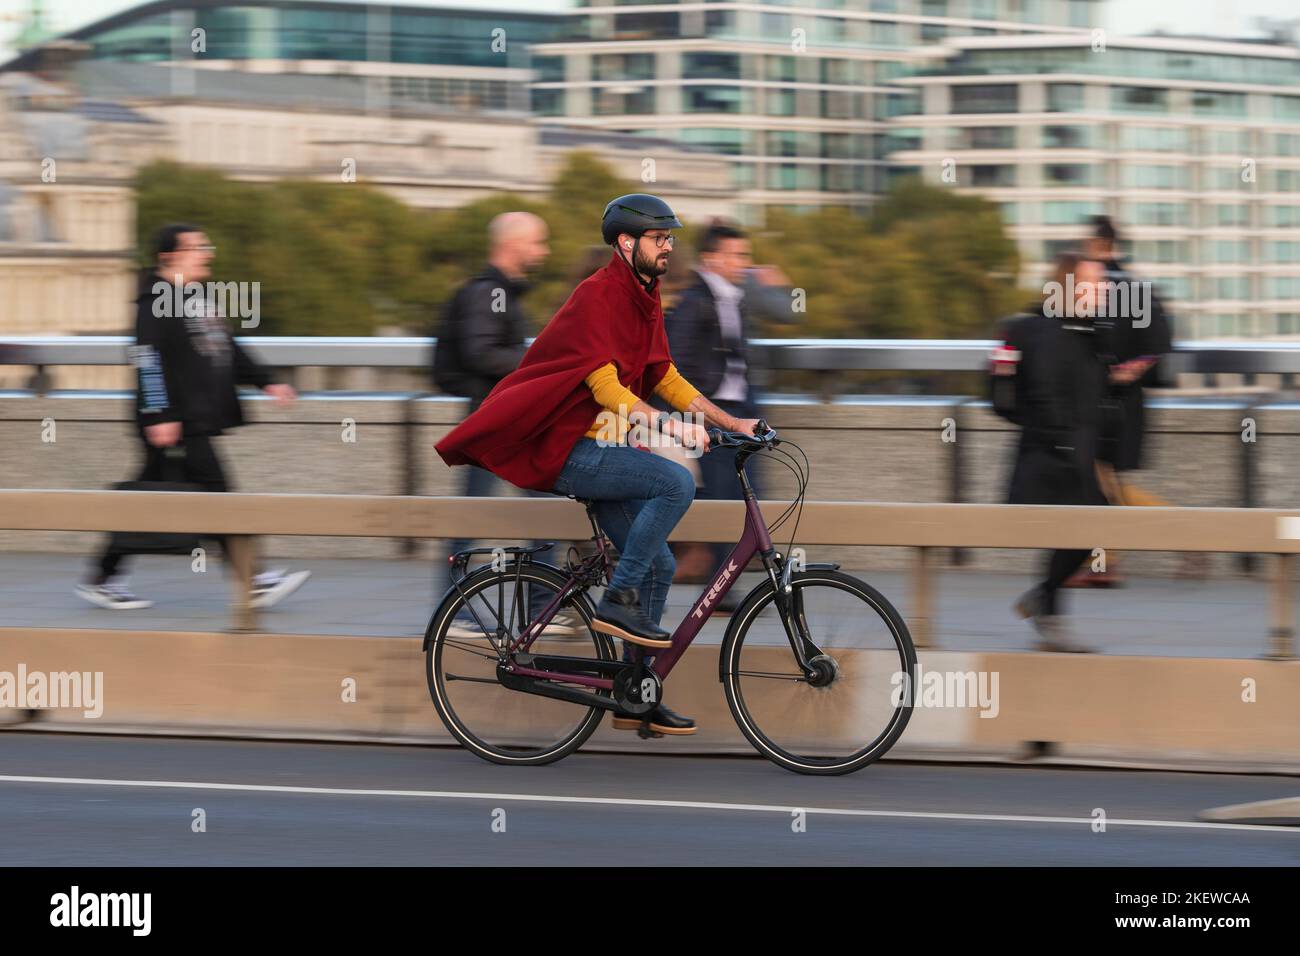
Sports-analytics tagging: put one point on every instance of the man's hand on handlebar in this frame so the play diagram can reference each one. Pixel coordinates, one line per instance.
(746, 426)
(690, 435)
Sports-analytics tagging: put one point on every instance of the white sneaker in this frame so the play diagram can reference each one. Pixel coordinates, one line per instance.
(272, 587)
(566, 625)
(111, 595)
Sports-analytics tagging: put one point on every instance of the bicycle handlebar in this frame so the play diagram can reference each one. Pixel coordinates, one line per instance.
(764, 437)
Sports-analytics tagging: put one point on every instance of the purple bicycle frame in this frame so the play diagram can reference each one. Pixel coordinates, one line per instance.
(753, 540)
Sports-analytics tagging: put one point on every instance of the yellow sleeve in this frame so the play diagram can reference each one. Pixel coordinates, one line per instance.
(675, 390)
(610, 392)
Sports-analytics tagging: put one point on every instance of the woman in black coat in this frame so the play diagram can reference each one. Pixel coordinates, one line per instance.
(1051, 378)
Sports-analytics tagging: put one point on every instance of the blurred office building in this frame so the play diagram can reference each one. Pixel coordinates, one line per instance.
(797, 94)
(1191, 145)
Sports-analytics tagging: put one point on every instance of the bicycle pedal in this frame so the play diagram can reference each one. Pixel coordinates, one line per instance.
(645, 733)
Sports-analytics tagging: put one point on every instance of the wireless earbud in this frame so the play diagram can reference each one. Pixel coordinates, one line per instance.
(627, 245)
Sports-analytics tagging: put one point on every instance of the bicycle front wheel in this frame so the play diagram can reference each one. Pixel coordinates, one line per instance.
(855, 707)
(466, 640)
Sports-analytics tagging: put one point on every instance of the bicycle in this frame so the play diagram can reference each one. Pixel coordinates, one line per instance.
(796, 695)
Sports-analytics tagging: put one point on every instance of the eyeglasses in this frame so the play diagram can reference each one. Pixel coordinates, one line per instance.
(660, 241)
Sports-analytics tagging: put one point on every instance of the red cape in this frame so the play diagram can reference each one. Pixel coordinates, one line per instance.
(528, 424)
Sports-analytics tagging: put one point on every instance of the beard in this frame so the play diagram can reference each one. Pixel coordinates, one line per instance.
(652, 266)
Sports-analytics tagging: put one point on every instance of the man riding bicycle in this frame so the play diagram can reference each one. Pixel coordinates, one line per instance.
(559, 423)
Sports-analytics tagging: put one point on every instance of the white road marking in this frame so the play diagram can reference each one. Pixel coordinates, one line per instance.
(632, 802)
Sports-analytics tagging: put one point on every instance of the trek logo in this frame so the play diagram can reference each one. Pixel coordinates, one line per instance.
(131, 910)
(709, 598)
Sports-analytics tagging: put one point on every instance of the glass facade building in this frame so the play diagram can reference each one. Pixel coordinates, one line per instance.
(800, 94)
(1190, 144)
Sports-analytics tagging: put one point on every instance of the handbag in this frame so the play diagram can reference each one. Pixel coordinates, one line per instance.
(159, 542)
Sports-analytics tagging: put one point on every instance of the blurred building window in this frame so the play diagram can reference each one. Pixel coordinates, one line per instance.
(1054, 247)
(1286, 144)
(1231, 214)
(1139, 99)
(1283, 216)
(623, 66)
(548, 69)
(1155, 177)
(836, 104)
(1228, 250)
(1069, 213)
(733, 142)
(1068, 174)
(1232, 287)
(836, 146)
(775, 27)
(1067, 137)
(779, 102)
(1160, 250)
(1010, 212)
(715, 99)
(548, 102)
(985, 98)
(1286, 180)
(1064, 97)
(992, 175)
(982, 137)
(742, 175)
(645, 26)
(1287, 108)
(617, 101)
(933, 32)
(1218, 103)
(781, 68)
(984, 9)
(886, 34)
(837, 71)
(1081, 13)
(720, 23)
(1153, 139)
(1173, 287)
(1287, 323)
(785, 176)
(837, 178)
(710, 66)
(897, 139)
(1284, 251)
(1160, 214)
(782, 143)
(1222, 178)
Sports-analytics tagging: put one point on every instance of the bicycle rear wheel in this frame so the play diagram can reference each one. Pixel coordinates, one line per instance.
(852, 712)
(464, 648)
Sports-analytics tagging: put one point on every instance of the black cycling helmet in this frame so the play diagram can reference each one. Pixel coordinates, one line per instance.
(636, 213)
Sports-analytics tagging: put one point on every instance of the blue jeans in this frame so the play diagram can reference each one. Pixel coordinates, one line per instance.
(639, 497)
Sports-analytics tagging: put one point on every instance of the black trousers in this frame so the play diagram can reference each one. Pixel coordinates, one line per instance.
(1060, 565)
(200, 466)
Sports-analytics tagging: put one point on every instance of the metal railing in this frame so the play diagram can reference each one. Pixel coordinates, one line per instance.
(824, 355)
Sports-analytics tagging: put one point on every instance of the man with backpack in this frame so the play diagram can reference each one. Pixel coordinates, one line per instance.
(482, 330)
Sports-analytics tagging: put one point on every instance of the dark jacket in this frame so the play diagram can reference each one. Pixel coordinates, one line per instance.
(1060, 383)
(492, 326)
(187, 363)
(699, 346)
(1122, 439)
